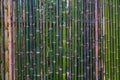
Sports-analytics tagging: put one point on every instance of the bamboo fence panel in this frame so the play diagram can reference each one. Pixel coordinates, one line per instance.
(59, 40)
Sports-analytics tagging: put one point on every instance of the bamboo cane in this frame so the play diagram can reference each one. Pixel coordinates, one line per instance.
(115, 38)
(78, 39)
(61, 41)
(90, 39)
(27, 41)
(72, 39)
(19, 40)
(96, 38)
(22, 39)
(10, 48)
(118, 36)
(37, 41)
(111, 39)
(31, 39)
(117, 3)
(2, 40)
(34, 39)
(58, 47)
(50, 7)
(64, 39)
(82, 42)
(47, 49)
(103, 28)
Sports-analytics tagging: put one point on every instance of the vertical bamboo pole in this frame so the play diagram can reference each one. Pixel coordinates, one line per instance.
(37, 41)
(118, 19)
(75, 40)
(31, 38)
(82, 41)
(64, 40)
(103, 30)
(47, 49)
(61, 39)
(6, 38)
(91, 21)
(2, 36)
(17, 48)
(10, 41)
(13, 39)
(57, 38)
(96, 38)
(119, 36)
(78, 38)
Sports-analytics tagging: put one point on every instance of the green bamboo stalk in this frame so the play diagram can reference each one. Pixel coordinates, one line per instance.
(64, 40)
(44, 39)
(75, 39)
(67, 42)
(78, 38)
(54, 25)
(22, 39)
(27, 42)
(104, 39)
(34, 41)
(17, 46)
(79, 32)
(67, 23)
(19, 40)
(72, 39)
(37, 41)
(47, 50)
(30, 36)
(61, 40)
(50, 36)
(101, 71)
(82, 42)
(58, 47)
(107, 41)
(20, 30)
(118, 36)
(111, 35)
(117, 59)
(115, 38)
(41, 41)
(90, 40)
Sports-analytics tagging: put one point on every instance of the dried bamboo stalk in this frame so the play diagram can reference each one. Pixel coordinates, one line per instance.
(96, 38)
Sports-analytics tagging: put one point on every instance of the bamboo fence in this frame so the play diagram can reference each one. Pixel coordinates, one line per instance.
(59, 40)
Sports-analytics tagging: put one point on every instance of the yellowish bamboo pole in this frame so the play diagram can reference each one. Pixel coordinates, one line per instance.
(96, 38)
(6, 39)
(10, 41)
